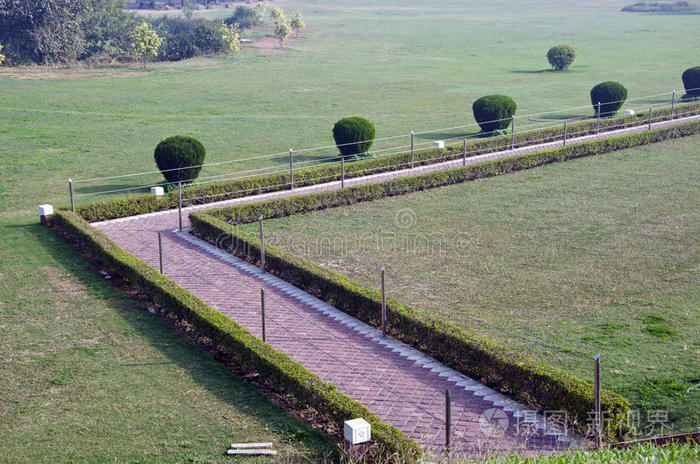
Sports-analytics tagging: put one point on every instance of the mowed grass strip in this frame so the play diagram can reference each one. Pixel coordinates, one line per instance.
(597, 255)
(88, 375)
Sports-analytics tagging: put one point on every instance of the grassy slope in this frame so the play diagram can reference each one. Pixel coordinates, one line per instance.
(597, 255)
(405, 65)
(87, 374)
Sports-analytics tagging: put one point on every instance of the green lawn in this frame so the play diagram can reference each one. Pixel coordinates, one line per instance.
(598, 255)
(405, 65)
(67, 388)
(639, 455)
(88, 375)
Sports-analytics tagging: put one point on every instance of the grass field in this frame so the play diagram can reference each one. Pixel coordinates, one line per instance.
(88, 375)
(67, 338)
(597, 255)
(409, 65)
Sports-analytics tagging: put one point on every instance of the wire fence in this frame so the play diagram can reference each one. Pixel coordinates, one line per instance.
(295, 162)
(416, 290)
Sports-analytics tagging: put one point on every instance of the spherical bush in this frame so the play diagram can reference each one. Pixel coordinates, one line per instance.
(353, 136)
(178, 152)
(561, 56)
(493, 112)
(611, 96)
(691, 81)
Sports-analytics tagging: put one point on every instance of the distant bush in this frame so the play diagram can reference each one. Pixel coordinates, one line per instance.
(611, 96)
(561, 56)
(109, 35)
(493, 112)
(178, 152)
(353, 136)
(184, 38)
(245, 16)
(659, 7)
(691, 81)
(297, 23)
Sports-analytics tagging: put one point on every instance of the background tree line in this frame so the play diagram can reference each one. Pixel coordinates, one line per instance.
(62, 31)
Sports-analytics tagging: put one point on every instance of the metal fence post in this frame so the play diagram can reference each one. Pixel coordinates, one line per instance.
(291, 169)
(673, 104)
(160, 252)
(383, 304)
(342, 171)
(413, 147)
(448, 421)
(70, 190)
(598, 415)
(464, 152)
(512, 135)
(179, 204)
(650, 110)
(262, 245)
(564, 133)
(597, 131)
(262, 312)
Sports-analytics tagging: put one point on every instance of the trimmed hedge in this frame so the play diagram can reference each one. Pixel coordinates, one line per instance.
(691, 81)
(493, 365)
(496, 366)
(611, 95)
(179, 158)
(226, 190)
(353, 136)
(248, 350)
(493, 112)
(286, 206)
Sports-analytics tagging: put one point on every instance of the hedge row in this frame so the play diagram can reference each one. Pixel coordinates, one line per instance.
(245, 347)
(495, 366)
(144, 203)
(280, 207)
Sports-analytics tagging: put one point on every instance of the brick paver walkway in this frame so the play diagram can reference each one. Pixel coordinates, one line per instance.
(400, 384)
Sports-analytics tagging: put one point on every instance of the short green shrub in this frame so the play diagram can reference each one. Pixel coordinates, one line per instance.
(691, 81)
(198, 194)
(493, 112)
(561, 56)
(180, 158)
(353, 136)
(611, 95)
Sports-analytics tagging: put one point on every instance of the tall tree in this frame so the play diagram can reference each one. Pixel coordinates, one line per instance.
(44, 31)
(297, 23)
(282, 29)
(146, 42)
(230, 39)
(108, 30)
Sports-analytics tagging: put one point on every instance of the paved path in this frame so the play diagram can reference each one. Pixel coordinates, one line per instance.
(400, 384)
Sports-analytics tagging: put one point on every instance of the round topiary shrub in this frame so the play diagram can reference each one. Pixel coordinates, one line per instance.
(561, 56)
(353, 136)
(493, 112)
(611, 96)
(178, 152)
(691, 81)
